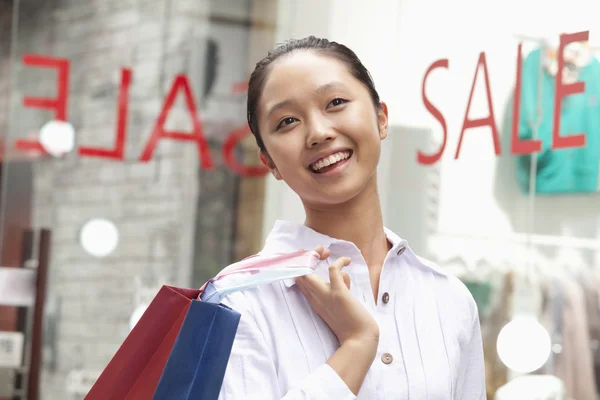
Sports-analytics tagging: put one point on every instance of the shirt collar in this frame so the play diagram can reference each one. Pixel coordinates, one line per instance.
(288, 236)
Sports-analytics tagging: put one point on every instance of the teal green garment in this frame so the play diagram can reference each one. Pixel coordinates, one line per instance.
(563, 170)
(482, 293)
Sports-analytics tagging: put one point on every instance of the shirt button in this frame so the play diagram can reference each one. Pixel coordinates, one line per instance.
(387, 358)
(401, 251)
(385, 298)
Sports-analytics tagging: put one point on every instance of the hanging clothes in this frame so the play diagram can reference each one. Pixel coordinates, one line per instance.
(565, 318)
(590, 286)
(565, 170)
(595, 344)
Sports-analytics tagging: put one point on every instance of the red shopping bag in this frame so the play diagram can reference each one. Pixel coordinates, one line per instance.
(134, 371)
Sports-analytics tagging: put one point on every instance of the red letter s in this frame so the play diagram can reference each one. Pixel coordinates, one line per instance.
(432, 159)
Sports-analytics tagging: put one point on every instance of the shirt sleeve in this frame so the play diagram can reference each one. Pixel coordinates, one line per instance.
(251, 373)
(472, 379)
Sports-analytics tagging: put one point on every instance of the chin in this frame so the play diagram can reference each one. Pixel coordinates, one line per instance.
(331, 196)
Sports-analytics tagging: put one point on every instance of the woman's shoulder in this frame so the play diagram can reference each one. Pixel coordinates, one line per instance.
(449, 287)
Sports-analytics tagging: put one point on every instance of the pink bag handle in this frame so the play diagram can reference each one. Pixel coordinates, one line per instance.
(253, 264)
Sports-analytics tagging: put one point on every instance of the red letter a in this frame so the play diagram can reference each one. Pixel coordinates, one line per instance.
(197, 135)
(488, 121)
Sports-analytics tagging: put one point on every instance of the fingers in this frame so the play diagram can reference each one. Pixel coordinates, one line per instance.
(335, 272)
(346, 279)
(313, 284)
(306, 291)
(323, 253)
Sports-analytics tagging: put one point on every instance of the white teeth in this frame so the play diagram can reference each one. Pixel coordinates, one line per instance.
(330, 160)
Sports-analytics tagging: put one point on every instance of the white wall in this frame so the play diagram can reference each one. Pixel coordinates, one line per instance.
(398, 40)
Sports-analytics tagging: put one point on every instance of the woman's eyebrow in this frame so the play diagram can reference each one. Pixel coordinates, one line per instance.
(320, 90)
(279, 105)
(331, 85)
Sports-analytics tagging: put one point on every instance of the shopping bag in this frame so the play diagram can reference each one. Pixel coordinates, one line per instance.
(134, 371)
(198, 349)
(197, 364)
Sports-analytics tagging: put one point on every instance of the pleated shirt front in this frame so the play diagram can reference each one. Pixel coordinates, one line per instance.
(430, 341)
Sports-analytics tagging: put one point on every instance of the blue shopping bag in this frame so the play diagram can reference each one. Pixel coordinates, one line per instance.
(198, 360)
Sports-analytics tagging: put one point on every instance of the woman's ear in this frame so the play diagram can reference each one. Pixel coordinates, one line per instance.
(268, 162)
(382, 120)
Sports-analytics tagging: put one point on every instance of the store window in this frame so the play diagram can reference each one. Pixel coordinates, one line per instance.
(520, 230)
(123, 134)
(511, 206)
(124, 137)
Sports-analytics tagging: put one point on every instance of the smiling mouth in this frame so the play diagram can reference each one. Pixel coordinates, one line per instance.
(327, 163)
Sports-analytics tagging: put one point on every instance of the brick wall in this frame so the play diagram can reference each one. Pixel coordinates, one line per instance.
(154, 205)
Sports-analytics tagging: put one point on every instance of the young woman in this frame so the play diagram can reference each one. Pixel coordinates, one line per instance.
(375, 321)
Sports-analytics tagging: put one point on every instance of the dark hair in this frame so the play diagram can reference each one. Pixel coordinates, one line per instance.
(323, 46)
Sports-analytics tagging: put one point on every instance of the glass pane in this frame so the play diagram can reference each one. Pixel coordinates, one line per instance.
(124, 134)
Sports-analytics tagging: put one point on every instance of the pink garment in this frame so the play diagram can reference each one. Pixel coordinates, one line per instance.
(575, 364)
(255, 264)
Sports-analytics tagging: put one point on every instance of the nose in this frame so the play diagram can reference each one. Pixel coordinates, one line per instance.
(319, 134)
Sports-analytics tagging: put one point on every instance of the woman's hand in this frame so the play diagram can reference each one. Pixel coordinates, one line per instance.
(354, 327)
(334, 303)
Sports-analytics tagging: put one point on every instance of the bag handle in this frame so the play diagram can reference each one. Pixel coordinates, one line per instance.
(255, 263)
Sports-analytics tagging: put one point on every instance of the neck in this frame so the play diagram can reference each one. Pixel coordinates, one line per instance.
(358, 221)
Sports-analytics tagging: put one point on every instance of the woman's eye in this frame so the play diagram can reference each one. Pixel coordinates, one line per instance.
(285, 122)
(337, 102)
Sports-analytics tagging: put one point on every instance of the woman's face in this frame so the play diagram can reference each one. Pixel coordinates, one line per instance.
(320, 128)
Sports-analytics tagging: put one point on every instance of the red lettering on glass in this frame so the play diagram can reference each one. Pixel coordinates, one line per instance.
(239, 87)
(118, 152)
(487, 121)
(437, 114)
(518, 146)
(197, 135)
(229, 154)
(562, 91)
(57, 104)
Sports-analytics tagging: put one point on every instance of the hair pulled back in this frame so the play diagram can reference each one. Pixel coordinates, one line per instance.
(310, 43)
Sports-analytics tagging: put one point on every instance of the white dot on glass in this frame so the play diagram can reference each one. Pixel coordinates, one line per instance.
(57, 137)
(99, 237)
(524, 345)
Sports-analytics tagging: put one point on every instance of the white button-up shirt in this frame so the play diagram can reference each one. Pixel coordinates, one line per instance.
(430, 341)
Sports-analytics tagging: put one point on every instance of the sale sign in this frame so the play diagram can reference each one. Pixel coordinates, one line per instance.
(181, 85)
(518, 146)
